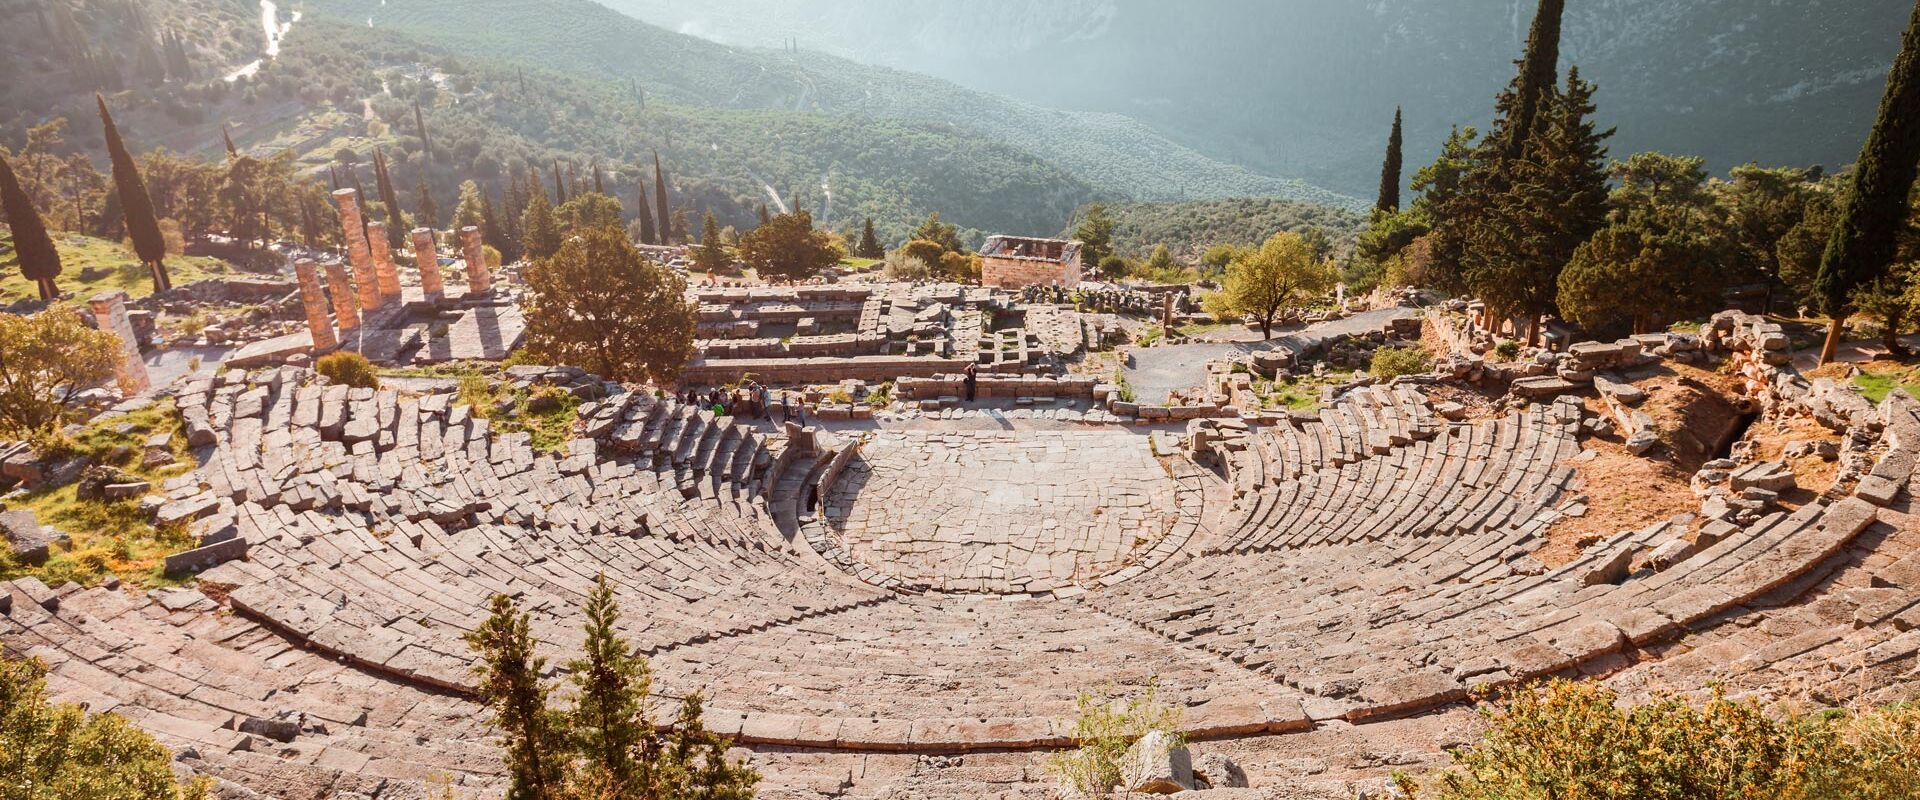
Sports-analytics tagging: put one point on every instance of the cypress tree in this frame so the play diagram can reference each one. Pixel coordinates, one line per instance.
(540, 235)
(39, 259)
(510, 686)
(1390, 171)
(870, 244)
(712, 256)
(764, 216)
(428, 210)
(599, 182)
(1533, 87)
(396, 221)
(662, 215)
(491, 232)
(227, 135)
(426, 144)
(644, 212)
(559, 188)
(135, 204)
(1872, 215)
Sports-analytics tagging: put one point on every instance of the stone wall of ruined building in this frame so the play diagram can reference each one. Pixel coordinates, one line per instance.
(1016, 273)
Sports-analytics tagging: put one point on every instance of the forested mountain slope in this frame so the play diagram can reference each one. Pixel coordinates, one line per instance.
(1307, 87)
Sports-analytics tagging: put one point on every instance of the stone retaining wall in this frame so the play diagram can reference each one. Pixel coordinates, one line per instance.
(938, 386)
(817, 370)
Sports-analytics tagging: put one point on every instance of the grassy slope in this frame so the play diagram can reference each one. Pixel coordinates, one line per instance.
(90, 266)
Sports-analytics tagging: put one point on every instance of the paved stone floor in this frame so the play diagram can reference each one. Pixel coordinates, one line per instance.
(998, 512)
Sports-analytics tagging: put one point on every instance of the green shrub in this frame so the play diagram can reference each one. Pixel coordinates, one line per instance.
(1568, 739)
(1101, 736)
(1393, 362)
(1508, 349)
(348, 369)
(52, 750)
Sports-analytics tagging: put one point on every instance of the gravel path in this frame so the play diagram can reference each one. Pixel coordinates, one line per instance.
(1156, 372)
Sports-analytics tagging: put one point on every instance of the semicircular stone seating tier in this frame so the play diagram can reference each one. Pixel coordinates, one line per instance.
(1003, 512)
(1385, 581)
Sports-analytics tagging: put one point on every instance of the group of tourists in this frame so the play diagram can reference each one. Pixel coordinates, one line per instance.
(747, 400)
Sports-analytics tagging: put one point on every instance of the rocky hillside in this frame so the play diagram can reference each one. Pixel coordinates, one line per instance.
(1306, 87)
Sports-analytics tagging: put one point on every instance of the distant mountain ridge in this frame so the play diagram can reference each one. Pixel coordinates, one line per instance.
(1120, 157)
(1307, 87)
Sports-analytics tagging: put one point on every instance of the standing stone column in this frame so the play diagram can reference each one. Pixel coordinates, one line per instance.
(110, 311)
(427, 257)
(346, 311)
(384, 269)
(479, 278)
(356, 234)
(372, 296)
(315, 303)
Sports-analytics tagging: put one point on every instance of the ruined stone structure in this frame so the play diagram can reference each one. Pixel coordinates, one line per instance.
(110, 315)
(426, 257)
(479, 278)
(386, 273)
(1013, 262)
(357, 234)
(346, 305)
(319, 324)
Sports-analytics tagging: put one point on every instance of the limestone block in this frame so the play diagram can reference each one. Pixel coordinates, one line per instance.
(1157, 765)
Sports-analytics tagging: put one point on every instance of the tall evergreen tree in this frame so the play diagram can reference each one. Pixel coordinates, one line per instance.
(428, 210)
(609, 718)
(869, 244)
(663, 216)
(540, 229)
(1552, 201)
(227, 136)
(510, 686)
(764, 216)
(599, 182)
(491, 232)
(396, 220)
(559, 187)
(1871, 216)
(1533, 88)
(643, 211)
(136, 206)
(39, 259)
(711, 256)
(426, 144)
(1389, 201)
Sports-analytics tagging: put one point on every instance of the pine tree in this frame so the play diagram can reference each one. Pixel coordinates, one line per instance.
(39, 259)
(135, 204)
(510, 686)
(1872, 215)
(396, 220)
(1389, 201)
(662, 215)
(869, 244)
(491, 232)
(643, 212)
(609, 721)
(540, 231)
(682, 229)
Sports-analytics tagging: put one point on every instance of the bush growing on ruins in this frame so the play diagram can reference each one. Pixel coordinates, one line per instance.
(607, 746)
(598, 303)
(52, 750)
(45, 360)
(1393, 362)
(788, 248)
(1570, 739)
(903, 267)
(928, 252)
(1101, 736)
(348, 368)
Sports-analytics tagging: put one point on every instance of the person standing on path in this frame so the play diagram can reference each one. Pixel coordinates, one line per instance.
(973, 381)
